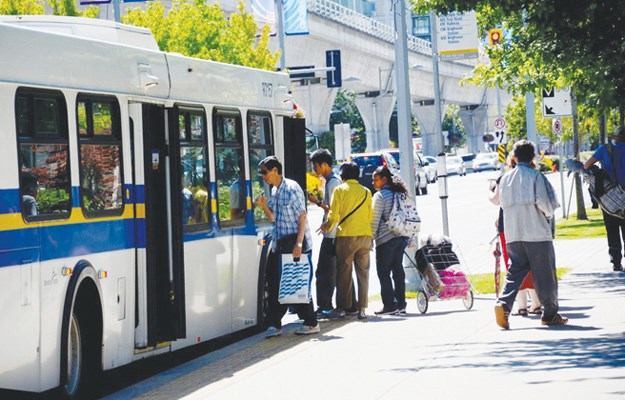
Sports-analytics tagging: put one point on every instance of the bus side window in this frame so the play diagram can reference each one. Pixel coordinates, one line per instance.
(230, 168)
(100, 154)
(41, 122)
(260, 139)
(194, 175)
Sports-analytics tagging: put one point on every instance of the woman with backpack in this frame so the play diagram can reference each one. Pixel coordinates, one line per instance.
(389, 250)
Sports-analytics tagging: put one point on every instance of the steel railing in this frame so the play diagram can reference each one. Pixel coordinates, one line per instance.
(348, 17)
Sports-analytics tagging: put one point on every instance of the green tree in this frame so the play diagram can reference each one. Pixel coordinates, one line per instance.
(453, 124)
(36, 7)
(344, 111)
(21, 7)
(195, 29)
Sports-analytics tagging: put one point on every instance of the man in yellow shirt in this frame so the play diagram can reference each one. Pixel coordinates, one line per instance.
(351, 209)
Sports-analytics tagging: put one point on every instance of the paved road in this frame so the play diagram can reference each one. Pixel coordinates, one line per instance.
(446, 353)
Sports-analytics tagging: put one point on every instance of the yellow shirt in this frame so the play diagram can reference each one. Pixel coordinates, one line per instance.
(347, 197)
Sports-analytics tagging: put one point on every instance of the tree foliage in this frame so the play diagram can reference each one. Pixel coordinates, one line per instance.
(199, 30)
(551, 43)
(344, 111)
(36, 7)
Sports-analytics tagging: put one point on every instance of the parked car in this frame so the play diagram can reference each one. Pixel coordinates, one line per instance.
(421, 180)
(468, 161)
(369, 162)
(430, 168)
(455, 166)
(485, 161)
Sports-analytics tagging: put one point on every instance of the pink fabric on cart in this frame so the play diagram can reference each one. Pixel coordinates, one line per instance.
(456, 283)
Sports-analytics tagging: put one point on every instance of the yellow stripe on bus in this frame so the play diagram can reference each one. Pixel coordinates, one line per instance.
(15, 221)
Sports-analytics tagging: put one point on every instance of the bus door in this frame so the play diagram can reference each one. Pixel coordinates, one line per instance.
(160, 294)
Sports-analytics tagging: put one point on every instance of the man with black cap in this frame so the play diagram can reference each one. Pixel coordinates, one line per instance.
(612, 158)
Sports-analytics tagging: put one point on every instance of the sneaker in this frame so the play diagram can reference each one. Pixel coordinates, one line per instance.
(501, 315)
(322, 314)
(401, 310)
(362, 315)
(353, 311)
(272, 331)
(307, 330)
(555, 320)
(617, 268)
(386, 311)
(335, 314)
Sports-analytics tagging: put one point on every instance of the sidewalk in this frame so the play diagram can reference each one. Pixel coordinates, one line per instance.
(446, 352)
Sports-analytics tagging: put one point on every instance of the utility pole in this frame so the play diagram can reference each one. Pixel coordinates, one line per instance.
(441, 161)
(579, 194)
(280, 27)
(116, 11)
(402, 84)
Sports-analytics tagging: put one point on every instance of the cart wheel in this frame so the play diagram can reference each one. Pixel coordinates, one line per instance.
(468, 300)
(422, 302)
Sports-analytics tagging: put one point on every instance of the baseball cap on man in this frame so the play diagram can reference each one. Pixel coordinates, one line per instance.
(620, 131)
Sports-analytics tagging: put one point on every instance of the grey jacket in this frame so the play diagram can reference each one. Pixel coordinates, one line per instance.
(528, 201)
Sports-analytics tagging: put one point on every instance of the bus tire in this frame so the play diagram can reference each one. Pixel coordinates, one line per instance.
(74, 359)
(263, 286)
(81, 339)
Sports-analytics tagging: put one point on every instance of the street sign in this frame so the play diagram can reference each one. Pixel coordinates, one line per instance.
(500, 123)
(500, 136)
(556, 103)
(556, 126)
(333, 59)
(457, 35)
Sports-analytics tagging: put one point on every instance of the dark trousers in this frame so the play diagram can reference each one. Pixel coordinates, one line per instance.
(326, 276)
(277, 310)
(389, 260)
(540, 259)
(615, 230)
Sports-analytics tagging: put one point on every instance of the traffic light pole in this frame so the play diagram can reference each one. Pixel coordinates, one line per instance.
(441, 162)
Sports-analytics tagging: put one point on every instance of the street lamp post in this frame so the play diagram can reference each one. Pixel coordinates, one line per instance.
(441, 162)
(280, 28)
(402, 84)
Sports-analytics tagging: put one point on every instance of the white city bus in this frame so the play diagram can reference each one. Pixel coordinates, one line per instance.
(127, 226)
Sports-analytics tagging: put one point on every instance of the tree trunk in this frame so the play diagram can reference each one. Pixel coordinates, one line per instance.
(579, 194)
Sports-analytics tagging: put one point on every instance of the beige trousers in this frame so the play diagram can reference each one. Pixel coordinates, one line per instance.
(352, 250)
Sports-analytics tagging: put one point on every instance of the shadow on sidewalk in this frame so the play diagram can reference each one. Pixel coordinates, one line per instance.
(225, 363)
(605, 351)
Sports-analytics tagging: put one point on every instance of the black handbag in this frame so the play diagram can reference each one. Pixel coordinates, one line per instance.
(286, 244)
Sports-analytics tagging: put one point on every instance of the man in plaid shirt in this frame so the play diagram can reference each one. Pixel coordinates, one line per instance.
(286, 208)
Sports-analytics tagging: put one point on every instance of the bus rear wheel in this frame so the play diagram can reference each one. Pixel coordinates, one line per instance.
(75, 365)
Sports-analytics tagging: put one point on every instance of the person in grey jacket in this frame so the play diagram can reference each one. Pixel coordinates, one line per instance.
(389, 248)
(528, 202)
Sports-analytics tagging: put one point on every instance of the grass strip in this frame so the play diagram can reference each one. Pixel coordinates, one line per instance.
(572, 228)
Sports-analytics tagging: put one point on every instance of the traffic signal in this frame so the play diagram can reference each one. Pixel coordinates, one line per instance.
(495, 36)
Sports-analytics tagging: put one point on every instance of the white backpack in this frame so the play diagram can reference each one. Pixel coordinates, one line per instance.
(404, 219)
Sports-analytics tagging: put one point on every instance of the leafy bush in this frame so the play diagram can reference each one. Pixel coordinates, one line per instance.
(51, 201)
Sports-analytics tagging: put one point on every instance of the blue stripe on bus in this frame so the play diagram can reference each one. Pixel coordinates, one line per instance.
(60, 241)
(9, 201)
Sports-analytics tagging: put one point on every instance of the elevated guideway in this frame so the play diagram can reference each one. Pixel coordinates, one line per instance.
(367, 62)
